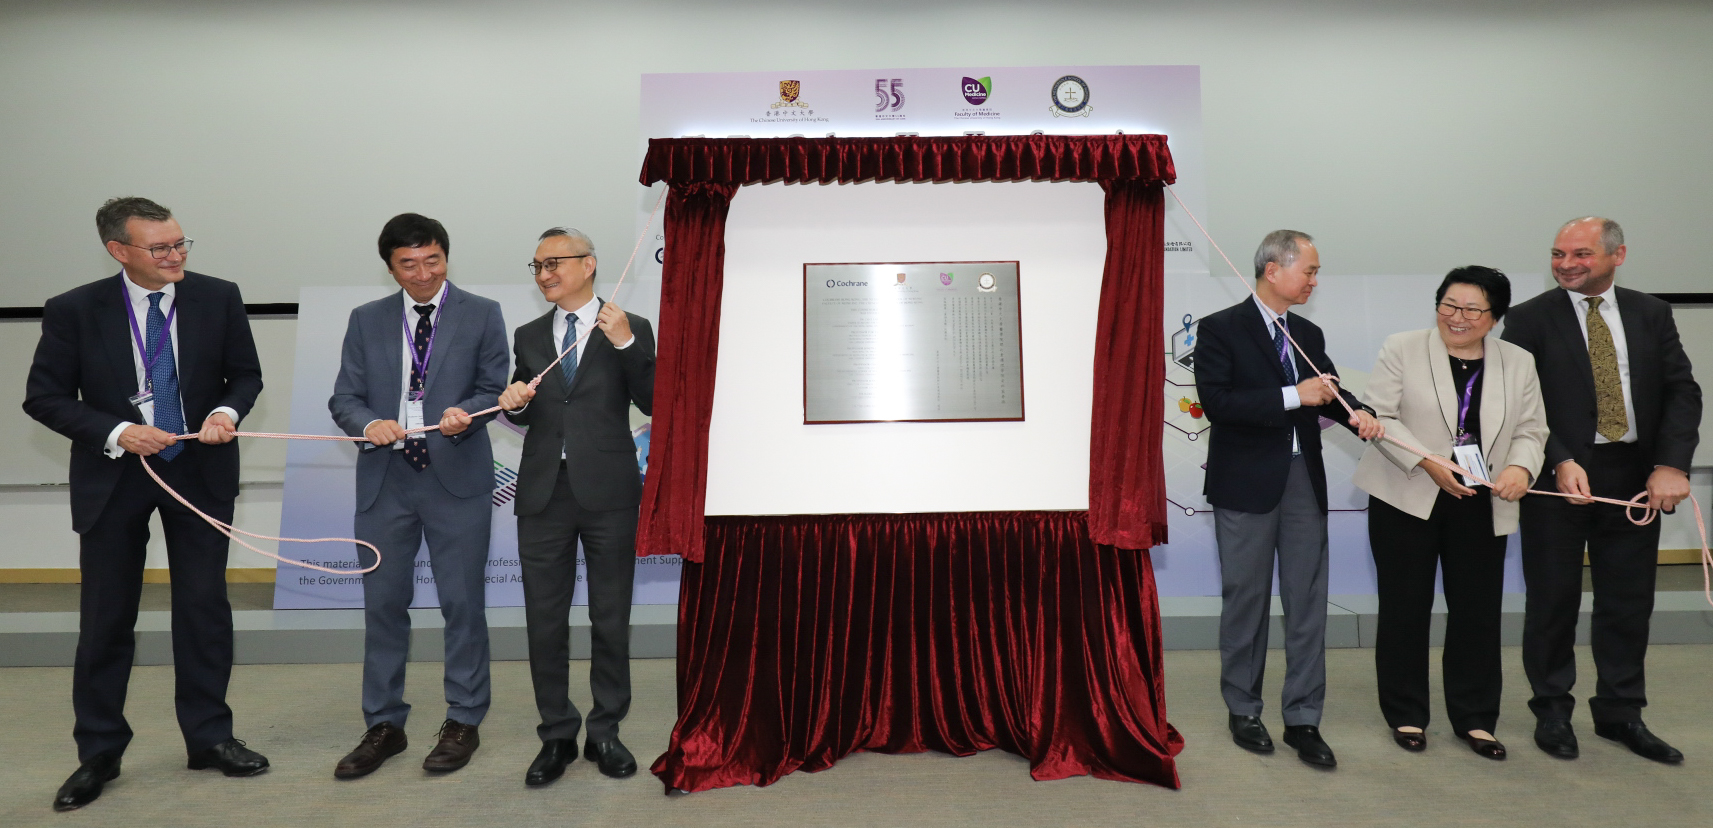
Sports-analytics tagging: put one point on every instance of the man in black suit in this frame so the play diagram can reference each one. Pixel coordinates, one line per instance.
(1267, 485)
(124, 363)
(1624, 410)
(578, 481)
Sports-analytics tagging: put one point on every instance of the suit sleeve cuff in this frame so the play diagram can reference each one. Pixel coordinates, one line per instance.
(112, 448)
(1293, 400)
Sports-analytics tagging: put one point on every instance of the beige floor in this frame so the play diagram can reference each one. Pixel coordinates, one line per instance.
(303, 718)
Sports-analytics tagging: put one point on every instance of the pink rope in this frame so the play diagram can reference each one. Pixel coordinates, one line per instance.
(1649, 513)
(232, 532)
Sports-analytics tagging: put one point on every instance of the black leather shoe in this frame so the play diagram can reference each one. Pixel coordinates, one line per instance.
(1556, 737)
(1414, 742)
(85, 783)
(380, 743)
(231, 758)
(1311, 748)
(1639, 740)
(611, 757)
(1250, 734)
(550, 763)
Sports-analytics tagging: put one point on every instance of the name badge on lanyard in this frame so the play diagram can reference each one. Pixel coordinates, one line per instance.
(1467, 452)
(144, 401)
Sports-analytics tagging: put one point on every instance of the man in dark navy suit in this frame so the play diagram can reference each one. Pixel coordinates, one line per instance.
(1267, 486)
(125, 364)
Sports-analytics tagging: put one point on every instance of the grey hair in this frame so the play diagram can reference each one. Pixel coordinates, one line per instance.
(570, 233)
(1280, 247)
(1611, 235)
(111, 219)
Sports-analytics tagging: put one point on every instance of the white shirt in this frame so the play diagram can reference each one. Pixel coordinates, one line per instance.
(1293, 400)
(410, 313)
(139, 297)
(1614, 323)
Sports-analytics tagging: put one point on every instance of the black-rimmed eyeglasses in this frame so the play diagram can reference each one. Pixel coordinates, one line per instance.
(551, 263)
(161, 251)
(1471, 314)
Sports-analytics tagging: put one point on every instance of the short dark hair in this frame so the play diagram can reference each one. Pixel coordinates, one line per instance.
(412, 230)
(112, 218)
(1490, 280)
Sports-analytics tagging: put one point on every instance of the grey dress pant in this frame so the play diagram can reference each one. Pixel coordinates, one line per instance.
(1296, 530)
(412, 506)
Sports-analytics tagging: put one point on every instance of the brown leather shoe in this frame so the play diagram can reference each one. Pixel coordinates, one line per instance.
(458, 742)
(382, 741)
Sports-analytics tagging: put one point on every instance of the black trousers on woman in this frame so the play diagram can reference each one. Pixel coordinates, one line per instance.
(1458, 540)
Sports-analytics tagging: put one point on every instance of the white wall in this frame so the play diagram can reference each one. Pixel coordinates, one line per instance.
(1408, 137)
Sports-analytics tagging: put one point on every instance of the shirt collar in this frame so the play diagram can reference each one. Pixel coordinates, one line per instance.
(1607, 299)
(139, 295)
(438, 302)
(585, 314)
(1268, 316)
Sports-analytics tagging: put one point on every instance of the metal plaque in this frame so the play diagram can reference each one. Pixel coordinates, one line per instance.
(911, 341)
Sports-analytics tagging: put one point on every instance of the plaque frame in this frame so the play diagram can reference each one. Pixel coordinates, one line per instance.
(1022, 384)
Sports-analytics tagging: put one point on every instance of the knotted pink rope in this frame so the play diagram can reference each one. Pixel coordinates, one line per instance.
(1649, 513)
(232, 532)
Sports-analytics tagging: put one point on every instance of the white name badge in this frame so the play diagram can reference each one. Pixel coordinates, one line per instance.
(413, 417)
(1470, 458)
(145, 405)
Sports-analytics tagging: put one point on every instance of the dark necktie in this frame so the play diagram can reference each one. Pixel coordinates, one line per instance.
(415, 447)
(568, 365)
(163, 378)
(1284, 350)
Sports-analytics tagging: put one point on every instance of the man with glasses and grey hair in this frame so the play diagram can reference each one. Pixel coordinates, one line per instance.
(578, 482)
(1625, 413)
(125, 365)
(1267, 486)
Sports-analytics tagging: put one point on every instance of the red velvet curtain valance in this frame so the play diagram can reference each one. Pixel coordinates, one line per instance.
(1127, 500)
(676, 161)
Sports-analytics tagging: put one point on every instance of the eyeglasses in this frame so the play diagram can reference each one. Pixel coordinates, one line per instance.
(551, 263)
(1472, 314)
(160, 251)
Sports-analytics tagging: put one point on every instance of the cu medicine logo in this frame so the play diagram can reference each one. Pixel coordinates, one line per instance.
(977, 90)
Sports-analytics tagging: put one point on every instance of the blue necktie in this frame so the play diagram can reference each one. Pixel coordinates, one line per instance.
(568, 365)
(1284, 350)
(163, 378)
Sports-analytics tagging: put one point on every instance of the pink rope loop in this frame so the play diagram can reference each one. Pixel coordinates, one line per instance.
(232, 532)
(1640, 501)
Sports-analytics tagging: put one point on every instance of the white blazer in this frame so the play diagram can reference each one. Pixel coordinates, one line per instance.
(1412, 393)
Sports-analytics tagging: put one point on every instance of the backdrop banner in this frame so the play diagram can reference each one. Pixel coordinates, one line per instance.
(320, 476)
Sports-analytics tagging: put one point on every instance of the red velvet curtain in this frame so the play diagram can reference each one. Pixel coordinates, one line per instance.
(805, 638)
(1126, 482)
(1126, 474)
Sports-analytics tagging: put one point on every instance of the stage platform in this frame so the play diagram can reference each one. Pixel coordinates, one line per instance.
(38, 625)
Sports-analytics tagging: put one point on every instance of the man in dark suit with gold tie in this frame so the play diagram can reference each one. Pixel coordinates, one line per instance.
(125, 364)
(1624, 410)
(578, 482)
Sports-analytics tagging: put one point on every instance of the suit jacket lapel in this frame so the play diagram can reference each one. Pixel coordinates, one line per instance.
(190, 342)
(389, 379)
(1493, 401)
(1570, 331)
(1250, 317)
(591, 346)
(542, 349)
(1444, 386)
(445, 331)
(115, 327)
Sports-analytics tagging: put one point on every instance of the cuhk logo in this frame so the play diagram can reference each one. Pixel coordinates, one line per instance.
(977, 90)
(945, 278)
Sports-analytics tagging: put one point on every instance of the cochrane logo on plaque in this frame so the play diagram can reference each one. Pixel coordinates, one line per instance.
(841, 283)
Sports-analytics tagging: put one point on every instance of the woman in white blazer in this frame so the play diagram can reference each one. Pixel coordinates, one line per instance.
(1466, 396)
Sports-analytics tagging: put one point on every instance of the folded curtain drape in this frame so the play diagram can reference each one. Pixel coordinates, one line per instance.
(805, 638)
(1127, 501)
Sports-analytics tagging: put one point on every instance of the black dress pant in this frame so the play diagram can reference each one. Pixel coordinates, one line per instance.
(111, 555)
(547, 552)
(1623, 559)
(1457, 539)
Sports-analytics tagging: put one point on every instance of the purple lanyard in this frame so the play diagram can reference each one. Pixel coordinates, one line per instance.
(410, 338)
(149, 359)
(1463, 403)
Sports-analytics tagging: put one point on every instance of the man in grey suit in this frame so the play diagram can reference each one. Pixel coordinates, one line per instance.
(578, 481)
(430, 350)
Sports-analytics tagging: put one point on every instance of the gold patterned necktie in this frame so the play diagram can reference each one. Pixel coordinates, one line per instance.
(1608, 387)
